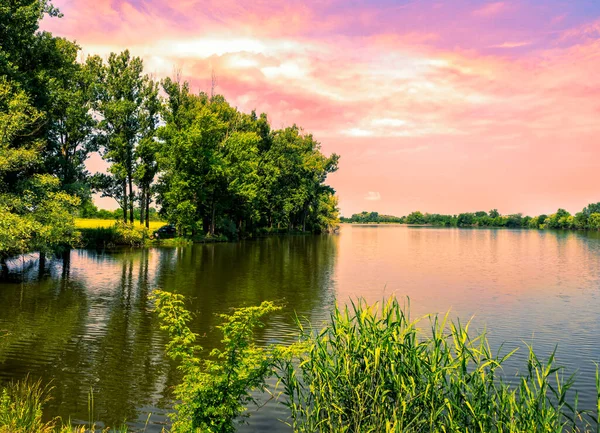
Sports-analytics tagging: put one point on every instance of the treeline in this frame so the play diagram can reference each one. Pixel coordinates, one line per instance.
(371, 217)
(205, 165)
(587, 219)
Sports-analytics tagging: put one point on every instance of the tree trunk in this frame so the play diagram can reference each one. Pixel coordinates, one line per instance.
(304, 219)
(4, 269)
(42, 265)
(124, 201)
(142, 205)
(66, 260)
(212, 219)
(148, 207)
(130, 200)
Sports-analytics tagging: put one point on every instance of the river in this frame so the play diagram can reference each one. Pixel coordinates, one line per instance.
(86, 326)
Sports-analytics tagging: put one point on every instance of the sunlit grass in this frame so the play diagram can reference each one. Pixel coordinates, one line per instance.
(95, 223)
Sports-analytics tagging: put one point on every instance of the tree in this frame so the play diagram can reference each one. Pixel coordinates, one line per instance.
(415, 218)
(126, 104)
(34, 214)
(71, 123)
(466, 219)
(146, 151)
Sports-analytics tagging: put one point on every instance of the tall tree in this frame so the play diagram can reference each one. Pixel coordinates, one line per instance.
(122, 106)
(147, 149)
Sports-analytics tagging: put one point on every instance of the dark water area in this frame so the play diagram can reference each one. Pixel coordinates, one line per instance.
(86, 324)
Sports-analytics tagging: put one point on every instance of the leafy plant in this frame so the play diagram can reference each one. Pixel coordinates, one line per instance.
(216, 391)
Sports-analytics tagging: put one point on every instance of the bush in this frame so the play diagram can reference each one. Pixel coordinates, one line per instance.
(216, 391)
(119, 234)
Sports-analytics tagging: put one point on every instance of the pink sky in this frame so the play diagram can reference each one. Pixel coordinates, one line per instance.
(438, 106)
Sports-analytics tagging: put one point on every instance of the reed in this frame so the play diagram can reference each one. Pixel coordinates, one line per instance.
(372, 370)
(21, 406)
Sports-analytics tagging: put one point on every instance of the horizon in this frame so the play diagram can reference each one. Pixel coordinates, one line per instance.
(433, 106)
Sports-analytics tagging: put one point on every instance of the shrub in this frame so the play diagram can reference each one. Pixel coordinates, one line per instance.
(216, 391)
(119, 234)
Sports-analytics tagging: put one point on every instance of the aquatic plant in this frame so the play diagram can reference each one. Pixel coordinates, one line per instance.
(21, 408)
(371, 369)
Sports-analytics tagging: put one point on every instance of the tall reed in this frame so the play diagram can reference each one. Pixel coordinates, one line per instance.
(372, 370)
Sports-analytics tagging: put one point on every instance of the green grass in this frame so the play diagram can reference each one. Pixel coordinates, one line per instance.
(371, 369)
(94, 223)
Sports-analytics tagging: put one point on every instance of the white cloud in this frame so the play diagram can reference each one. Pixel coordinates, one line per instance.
(373, 196)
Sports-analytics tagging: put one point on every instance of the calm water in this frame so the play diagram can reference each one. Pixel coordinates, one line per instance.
(86, 323)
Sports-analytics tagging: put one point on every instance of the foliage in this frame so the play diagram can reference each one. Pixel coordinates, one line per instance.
(216, 391)
(221, 168)
(128, 105)
(372, 217)
(371, 370)
(34, 213)
(21, 408)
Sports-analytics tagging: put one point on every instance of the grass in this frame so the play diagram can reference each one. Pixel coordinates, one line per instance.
(94, 223)
(21, 405)
(371, 369)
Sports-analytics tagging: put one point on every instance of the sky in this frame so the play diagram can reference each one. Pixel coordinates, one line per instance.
(439, 106)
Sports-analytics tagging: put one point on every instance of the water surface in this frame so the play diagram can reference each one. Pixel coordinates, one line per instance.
(86, 323)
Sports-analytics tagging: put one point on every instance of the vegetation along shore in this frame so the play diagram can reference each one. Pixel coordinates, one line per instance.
(587, 219)
(369, 369)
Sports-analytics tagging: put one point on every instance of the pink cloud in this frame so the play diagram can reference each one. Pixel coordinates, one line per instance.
(490, 9)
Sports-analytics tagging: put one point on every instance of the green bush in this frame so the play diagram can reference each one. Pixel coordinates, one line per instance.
(216, 391)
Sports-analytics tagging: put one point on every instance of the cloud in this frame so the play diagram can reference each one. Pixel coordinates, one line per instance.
(373, 196)
(512, 44)
(490, 9)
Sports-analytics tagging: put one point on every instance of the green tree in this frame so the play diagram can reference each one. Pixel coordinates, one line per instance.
(415, 218)
(126, 102)
(34, 214)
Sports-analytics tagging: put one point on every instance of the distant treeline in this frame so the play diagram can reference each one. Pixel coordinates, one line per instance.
(587, 219)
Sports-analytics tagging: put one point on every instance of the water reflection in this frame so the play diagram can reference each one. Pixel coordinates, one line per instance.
(85, 320)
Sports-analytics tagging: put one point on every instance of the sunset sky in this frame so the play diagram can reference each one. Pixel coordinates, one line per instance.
(438, 106)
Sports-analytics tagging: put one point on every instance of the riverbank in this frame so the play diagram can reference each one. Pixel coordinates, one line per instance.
(102, 233)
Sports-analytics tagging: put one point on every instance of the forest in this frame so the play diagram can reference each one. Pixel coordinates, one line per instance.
(587, 219)
(206, 166)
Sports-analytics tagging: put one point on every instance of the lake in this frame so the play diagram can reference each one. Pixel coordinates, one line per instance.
(86, 324)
